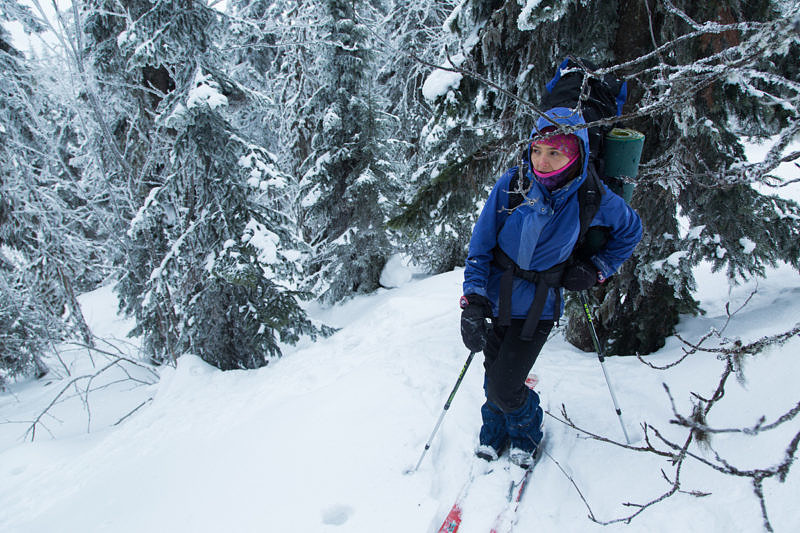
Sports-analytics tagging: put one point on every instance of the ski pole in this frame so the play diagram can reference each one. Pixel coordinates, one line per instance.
(446, 407)
(602, 357)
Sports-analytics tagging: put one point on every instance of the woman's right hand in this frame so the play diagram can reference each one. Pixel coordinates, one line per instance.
(475, 309)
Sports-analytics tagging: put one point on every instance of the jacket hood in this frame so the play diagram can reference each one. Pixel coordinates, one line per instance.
(567, 117)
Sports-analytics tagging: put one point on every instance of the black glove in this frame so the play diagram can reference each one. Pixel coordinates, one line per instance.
(475, 310)
(579, 276)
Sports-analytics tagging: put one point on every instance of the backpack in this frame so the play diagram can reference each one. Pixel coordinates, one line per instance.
(602, 98)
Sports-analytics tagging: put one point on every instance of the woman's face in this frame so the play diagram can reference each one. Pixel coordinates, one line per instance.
(545, 158)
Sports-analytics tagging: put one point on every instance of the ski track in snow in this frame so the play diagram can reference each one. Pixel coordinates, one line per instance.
(319, 440)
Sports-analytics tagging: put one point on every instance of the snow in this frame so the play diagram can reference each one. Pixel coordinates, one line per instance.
(319, 440)
(695, 231)
(398, 271)
(747, 244)
(265, 241)
(757, 151)
(205, 92)
(527, 9)
(440, 82)
(261, 175)
(453, 17)
(140, 214)
(527, 20)
(126, 37)
(674, 260)
(331, 120)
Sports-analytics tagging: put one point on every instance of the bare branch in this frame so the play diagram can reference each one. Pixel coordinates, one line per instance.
(84, 395)
(753, 430)
(116, 356)
(118, 422)
(699, 431)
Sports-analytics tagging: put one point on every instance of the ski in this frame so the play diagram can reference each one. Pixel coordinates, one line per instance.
(507, 517)
(454, 518)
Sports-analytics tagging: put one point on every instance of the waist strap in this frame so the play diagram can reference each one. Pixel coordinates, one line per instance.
(545, 281)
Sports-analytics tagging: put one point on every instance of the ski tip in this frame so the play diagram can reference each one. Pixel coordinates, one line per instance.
(452, 522)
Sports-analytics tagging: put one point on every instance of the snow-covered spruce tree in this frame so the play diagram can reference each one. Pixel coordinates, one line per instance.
(129, 73)
(217, 291)
(346, 189)
(411, 39)
(46, 223)
(407, 35)
(275, 54)
(23, 329)
(511, 52)
(701, 96)
(254, 37)
(205, 255)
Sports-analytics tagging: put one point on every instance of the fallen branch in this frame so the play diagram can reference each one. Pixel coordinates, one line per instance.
(84, 395)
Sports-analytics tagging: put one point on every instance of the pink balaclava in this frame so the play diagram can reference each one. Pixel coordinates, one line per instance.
(569, 145)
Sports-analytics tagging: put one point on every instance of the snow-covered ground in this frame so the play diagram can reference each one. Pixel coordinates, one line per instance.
(321, 440)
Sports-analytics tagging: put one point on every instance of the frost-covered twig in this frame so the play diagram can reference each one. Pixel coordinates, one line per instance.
(739, 349)
(574, 485)
(686, 353)
(712, 332)
(121, 420)
(565, 419)
(119, 357)
(732, 355)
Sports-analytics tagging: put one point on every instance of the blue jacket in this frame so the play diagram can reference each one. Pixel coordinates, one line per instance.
(543, 230)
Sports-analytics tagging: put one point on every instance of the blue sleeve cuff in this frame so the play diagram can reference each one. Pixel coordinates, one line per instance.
(472, 289)
(604, 268)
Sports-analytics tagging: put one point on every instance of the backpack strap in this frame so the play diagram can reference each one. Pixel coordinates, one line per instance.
(545, 280)
(590, 195)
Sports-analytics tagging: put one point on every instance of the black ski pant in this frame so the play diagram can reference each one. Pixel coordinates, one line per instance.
(507, 361)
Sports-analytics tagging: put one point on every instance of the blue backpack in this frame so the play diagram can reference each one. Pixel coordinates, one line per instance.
(599, 98)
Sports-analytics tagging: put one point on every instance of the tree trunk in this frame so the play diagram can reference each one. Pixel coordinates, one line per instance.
(75, 308)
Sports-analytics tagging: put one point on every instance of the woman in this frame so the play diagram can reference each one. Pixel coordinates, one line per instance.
(516, 250)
